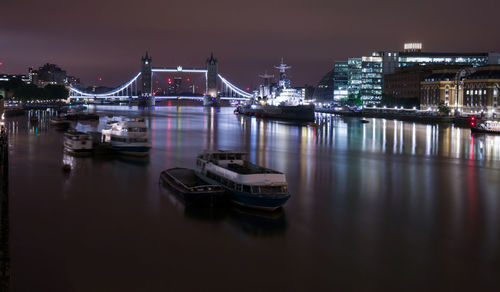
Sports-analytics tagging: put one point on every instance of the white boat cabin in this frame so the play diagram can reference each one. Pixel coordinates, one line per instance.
(232, 170)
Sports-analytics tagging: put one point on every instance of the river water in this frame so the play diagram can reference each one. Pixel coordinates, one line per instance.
(387, 205)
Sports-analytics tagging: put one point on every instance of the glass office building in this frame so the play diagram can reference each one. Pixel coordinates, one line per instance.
(354, 76)
(407, 59)
(324, 90)
(340, 80)
(365, 75)
(372, 77)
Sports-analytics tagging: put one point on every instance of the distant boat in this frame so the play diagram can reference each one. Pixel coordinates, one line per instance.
(279, 101)
(60, 122)
(364, 121)
(251, 185)
(191, 188)
(128, 137)
(487, 127)
(77, 142)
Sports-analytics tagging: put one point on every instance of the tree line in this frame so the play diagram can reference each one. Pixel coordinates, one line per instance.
(25, 92)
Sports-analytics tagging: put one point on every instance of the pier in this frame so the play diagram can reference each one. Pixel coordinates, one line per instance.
(409, 115)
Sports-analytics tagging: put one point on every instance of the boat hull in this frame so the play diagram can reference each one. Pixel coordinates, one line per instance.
(303, 113)
(214, 197)
(249, 200)
(132, 150)
(263, 202)
(484, 131)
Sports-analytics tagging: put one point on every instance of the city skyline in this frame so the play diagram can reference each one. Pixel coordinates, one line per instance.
(247, 39)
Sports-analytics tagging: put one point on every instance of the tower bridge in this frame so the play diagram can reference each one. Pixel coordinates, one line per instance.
(216, 86)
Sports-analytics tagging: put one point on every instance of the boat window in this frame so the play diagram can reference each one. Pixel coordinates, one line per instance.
(238, 156)
(255, 189)
(246, 189)
(231, 157)
(230, 184)
(137, 129)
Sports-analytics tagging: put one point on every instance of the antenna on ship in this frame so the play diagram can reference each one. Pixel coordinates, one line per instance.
(266, 77)
(265, 89)
(283, 83)
(283, 67)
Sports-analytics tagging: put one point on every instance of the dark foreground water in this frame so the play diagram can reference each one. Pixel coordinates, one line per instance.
(387, 205)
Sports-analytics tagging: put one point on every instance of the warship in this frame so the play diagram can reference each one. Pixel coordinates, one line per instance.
(278, 101)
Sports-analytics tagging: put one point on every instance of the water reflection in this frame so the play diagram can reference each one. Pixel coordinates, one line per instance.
(392, 197)
(380, 135)
(250, 221)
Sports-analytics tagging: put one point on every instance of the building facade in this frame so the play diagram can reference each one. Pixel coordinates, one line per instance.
(440, 87)
(324, 90)
(8, 77)
(340, 80)
(372, 77)
(51, 74)
(403, 86)
(478, 90)
(481, 90)
(366, 74)
(354, 76)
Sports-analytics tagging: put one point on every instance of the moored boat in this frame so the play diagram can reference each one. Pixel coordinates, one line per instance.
(60, 122)
(191, 188)
(487, 127)
(128, 137)
(251, 185)
(279, 101)
(78, 142)
(303, 113)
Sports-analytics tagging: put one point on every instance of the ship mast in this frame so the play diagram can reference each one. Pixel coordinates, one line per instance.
(265, 89)
(283, 83)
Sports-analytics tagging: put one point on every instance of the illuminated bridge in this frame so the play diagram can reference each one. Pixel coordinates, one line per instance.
(217, 87)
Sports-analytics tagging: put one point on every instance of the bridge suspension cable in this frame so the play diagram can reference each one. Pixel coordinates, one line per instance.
(234, 88)
(108, 93)
(126, 89)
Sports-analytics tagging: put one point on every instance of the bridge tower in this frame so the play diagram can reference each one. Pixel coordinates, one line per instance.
(146, 97)
(146, 74)
(212, 76)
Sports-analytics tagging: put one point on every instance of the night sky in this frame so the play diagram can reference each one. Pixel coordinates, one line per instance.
(97, 38)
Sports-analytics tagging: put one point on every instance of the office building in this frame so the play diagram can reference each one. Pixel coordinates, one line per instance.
(403, 86)
(354, 76)
(340, 80)
(324, 90)
(371, 78)
(478, 90)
